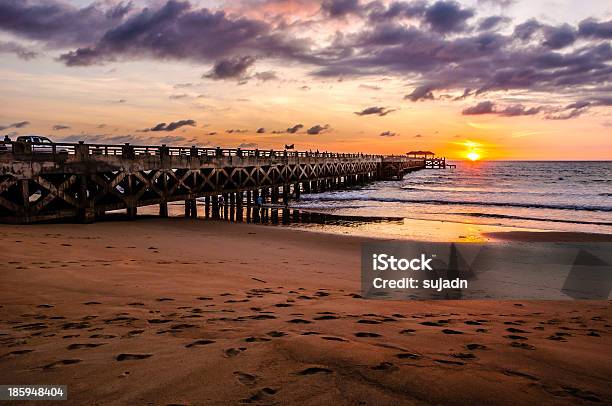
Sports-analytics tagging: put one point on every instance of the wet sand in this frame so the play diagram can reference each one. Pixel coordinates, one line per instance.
(174, 311)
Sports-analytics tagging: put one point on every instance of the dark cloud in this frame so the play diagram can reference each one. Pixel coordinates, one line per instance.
(559, 37)
(261, 130)
(341, 8)
(447, 16)
(17, 49)
(514, 110)
(19, 124)
(592, 28)
(519, 110)
(176, 30)
(418, 136)
(58, 23)
(172, 126)
(492, 22)
(485, 107)
(379, 111)
(59, 127)
(388, 134)
(231, 68)
(317, 129)
(423, 92)
(183, 85)
(295, 128)
(526, 30)
(178, 96)
(570, 111)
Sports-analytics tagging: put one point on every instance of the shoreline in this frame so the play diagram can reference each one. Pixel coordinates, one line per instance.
(190, 312)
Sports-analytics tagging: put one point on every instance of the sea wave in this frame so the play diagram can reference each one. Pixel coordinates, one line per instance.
(560, 206)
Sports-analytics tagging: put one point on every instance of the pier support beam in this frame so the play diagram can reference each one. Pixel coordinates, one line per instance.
(163, 209)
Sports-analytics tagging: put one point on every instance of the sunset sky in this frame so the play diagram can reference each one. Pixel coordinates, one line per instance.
(512, 79)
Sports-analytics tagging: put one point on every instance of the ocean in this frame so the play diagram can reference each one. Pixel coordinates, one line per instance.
(504, 195)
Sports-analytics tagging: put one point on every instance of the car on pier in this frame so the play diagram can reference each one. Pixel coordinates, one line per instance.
(39, 143)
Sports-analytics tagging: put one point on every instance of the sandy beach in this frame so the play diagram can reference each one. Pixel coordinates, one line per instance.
(174, 311)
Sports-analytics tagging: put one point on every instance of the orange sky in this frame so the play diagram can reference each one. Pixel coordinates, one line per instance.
(115, 100)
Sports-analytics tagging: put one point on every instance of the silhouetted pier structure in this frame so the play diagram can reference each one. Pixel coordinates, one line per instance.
(40, 182)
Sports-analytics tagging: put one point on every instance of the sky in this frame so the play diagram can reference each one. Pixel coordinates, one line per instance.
(507, 79)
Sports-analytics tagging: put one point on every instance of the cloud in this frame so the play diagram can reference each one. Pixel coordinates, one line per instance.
(559, 37)
(388, 134)
(485, 107)
(172, 126)
(261, 130)
(340, 8)
(317, 129)
(513, 110)
(230, 68)
(423, 92)
(447, 16)
(19, 124)
(59, 127)
(295, 128)
(178, 96)
(369, 87)
(17, 49)
(265, 76)
(177, 30)
(379, 111)
(492, 22)
(570, 111)
(58, 23)
(594, 29)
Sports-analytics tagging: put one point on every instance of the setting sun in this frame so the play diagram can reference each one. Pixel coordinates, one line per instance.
(473, 156)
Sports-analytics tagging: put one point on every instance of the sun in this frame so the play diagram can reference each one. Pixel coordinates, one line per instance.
(473, 156)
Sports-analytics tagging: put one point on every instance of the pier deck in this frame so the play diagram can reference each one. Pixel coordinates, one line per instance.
(82, 181)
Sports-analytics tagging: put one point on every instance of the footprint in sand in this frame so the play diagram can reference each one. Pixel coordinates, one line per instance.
(581, 394)
(474, 346)
(385, 366)
(159, 321)
(368, 321)
(515, 337)
(76, 326)
(283, 305)
(408, 332)
(262, 317)
(245, 378)
(198, 343)
(439, 323)
(132, 357)
(299, 321)
(44, 306)
(516, 330)
(523, 346)
(133, 333)
(449, 362)
(60, 363)
(83, 346)
(103, 336)
(326, 317)
(259, 395)
(449, 331)
(232, 352)
(463, 355)
(408, 355)
(256, 339)
(315, 370)
(91, 303)
(17, 352)
(164, 299)
(330, 338)
(136, 304)
(366, 334)
(276, 334)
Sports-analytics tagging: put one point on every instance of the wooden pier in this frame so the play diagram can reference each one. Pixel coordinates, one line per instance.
(82, 181)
